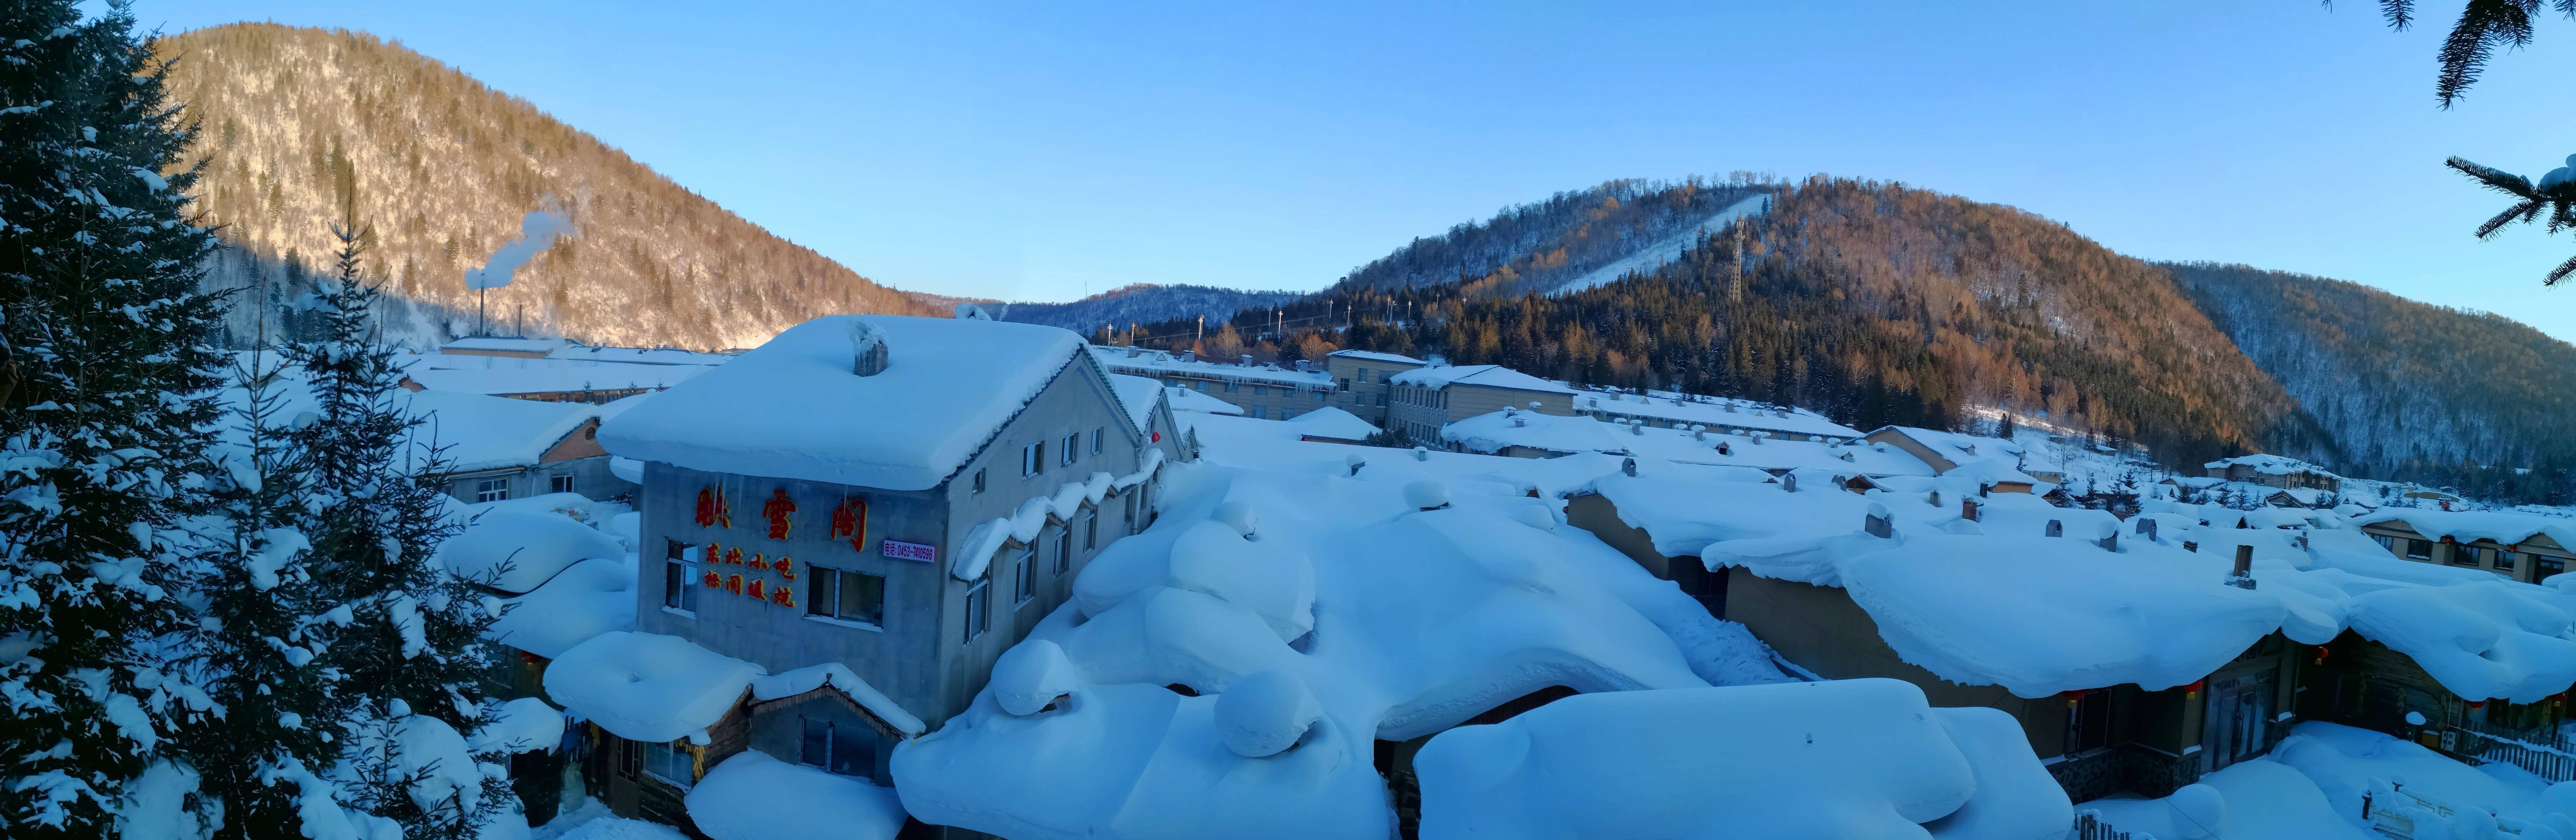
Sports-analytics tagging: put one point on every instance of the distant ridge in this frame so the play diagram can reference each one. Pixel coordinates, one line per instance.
(293, 119)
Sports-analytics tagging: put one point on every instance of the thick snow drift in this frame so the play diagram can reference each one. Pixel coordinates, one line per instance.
(515, 552)
(754, 797)
(646, 687)
(1849, 759)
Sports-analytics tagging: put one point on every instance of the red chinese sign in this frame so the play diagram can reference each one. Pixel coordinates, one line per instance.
(713, 510)
(850, 522)
(776, 511)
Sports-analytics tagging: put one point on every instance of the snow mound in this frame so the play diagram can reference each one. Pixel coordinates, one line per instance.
(1264, 713)
(647, 687)
(592, 597)
(2481, 640)
(1030, 676)
(525, 724)
(751, 796)
(1846, 759)
(515, 552)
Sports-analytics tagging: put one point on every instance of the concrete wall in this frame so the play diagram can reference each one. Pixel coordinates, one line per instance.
(1270, 402)
(591, 477)
(1421, 412)
(1363, 385)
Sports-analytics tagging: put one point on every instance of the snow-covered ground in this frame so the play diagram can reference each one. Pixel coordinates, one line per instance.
(2312, 786)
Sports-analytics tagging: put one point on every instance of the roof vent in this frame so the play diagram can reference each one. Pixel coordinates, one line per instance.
(867, 349)
(971, 312)
(1730, 408)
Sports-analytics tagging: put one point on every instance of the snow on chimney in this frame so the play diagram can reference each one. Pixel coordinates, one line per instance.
(2242, 577)
(867, 349)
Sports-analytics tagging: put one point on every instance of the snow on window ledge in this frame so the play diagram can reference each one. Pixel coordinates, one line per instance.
(691, 615)
(843, 622)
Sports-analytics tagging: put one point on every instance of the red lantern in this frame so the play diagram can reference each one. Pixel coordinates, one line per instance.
(2192, 690)
(2477, 704)
(1158, 437)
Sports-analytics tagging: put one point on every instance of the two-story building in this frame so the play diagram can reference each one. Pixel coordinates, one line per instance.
(1263, 391)
(2519, 546)
(1362, 377)
(1426, 400)
(1995, 462)
(1674, 410)
(841, 530)
(489, 448)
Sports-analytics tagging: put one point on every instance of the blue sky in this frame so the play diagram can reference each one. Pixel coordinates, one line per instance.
(1043, 151)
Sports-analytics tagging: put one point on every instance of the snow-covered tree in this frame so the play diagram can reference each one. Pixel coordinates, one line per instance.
(106, 378)
(414, 654)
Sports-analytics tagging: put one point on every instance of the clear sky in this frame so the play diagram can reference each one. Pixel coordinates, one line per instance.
(1047, 150)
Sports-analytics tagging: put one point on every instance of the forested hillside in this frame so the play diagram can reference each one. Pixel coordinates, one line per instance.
(294, 120)
(1142, 304)
(1873, 302)
(1543, 246)
(2410, 389)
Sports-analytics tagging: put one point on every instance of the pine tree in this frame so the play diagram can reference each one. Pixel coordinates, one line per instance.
(106, 381)
(265, 619)
(416, 645)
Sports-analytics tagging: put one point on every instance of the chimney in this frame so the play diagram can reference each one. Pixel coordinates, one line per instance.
(1723, 449)
(2147, 528)
(2055, 528)
(1628, 467)
(1936, 498)
(1880, 523)
(1247, 360)
(1189, 355)
(1758, 436)
(1699, 431)
(2243, 576)
(1638, 429)
(1730, 408)
(2107, 535)
(1971, 511)
(867, 349)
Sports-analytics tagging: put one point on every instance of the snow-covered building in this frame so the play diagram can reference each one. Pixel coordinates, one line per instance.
(544, 379)
(1993, 461)
(1261, 390)
(496, 448)
(2526, 547)
(842, 530)
(2274, 471)
(2134, 654)
(1426, 400)
(1672, 410)
(519, 347)
(1528, 434)
(1361, 376)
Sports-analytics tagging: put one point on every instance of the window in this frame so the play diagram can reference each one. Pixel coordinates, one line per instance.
(1363, 374)
(1200, 384)
(1025, 586)
(845, 595)
(679, 577)
(2544, 567)
(2464, 555)
(1098, 435)
(2088, 721)
(1261, 412)
(2419, 549)
(1033, 459)
(491, 490)
(2504, 560)
(1064, 549)
(1381, 400)
(979, 479)
(1232, 387)
(2385, 541)
(979, 612)
(1072, 447)
(1346, 384)
(1130, 504)
(1319, 396)
(1091, 529)
(559, 484)
(670, 763)
(839, 748)
(1287, 414)
(630, 756)
(1261, 390)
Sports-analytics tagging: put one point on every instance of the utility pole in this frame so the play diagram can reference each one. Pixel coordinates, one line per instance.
(1195, 341)
(482, 325)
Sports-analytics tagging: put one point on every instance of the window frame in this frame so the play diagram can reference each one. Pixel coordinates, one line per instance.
(1024, 577)
(1099, 435)
(674, 752)
(1072, 449)
(2419, 549)
(1064, 549)
(1090, 528)
(1033, 459)
(833, 748)
(491, 490)
(560, 484)
(979, 480)
(979, 609)
(679, 577)
(825, 587)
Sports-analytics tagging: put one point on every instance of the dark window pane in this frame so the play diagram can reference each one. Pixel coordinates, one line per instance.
(862, 597)
(818, 595)
(854, 752)
(817, 746)
(675, 584)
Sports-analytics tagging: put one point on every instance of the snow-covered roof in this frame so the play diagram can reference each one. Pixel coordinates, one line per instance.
(751, 796)
(1187, 399)
(590, 598)
(1714, 412)
(479, 432)
(1136, 394)
(639, 355)
(1380, 620)
(2268, 464)
(1375, 356)
(515, 375)
(648, 687)
(1865, 758)
(1144, 362)
(1489, 376)
(1025, 521)
(516, 552)
(1333, 424)
(793, 408)
(1997, 602)
(1493, 431)
(500, 343)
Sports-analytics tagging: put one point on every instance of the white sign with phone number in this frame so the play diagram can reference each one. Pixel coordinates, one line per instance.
(901, 550)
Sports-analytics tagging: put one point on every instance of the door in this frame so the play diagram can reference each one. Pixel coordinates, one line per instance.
(2238, 720)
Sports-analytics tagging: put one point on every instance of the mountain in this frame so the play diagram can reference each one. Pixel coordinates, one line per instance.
(1141, 303)
(2406, 388)
(1872, 302)
(1572, 240)
(296, 120)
